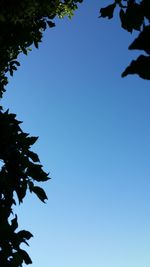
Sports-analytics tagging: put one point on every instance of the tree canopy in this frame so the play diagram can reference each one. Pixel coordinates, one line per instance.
(22, 24)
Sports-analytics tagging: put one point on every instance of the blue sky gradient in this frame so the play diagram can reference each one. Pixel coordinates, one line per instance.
(94, 130)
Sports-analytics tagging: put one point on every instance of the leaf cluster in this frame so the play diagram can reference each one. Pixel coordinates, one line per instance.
(20, 170)
(134, 15)
(11, 253)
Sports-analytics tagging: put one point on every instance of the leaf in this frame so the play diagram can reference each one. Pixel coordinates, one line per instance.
(124, 21)
(140, 66)
(107, 11)
(36, 44)
(13, 68)
(50, 23)
(142, 42)
(32, 140)
(14, 223)
(42, 24)
(24, 50)
(31, 185)
(40, 193)
(145, 9)
(25, 256)
(132, 17)
(35, 171)
(11, 72)
(25, 234)
(15, 62)
(21, 191)
(33, 156)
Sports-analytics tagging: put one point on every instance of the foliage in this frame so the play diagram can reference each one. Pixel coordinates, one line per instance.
(19, 172)
(134, 15)
(22, 24)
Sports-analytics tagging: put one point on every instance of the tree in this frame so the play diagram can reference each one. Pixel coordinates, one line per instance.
(22, 24)
(134, 15)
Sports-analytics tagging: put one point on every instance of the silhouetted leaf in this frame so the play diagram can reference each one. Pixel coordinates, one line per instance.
(40, 193)
(145, 9)
(11, 72)
(25, 256)
(13, 68)
(35, 171)
(33, 156)
(107, 11)
(21, 191)
(132, 17)
(15, 62)
(36, 44)
(32, 140)
(31, 185)
(140, 66)
(25, 234)
(124, 21)
(14, 223)
(24, 50)
(50, 23)
(142, 42)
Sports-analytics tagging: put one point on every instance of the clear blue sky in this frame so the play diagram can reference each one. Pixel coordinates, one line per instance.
(94, 130)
